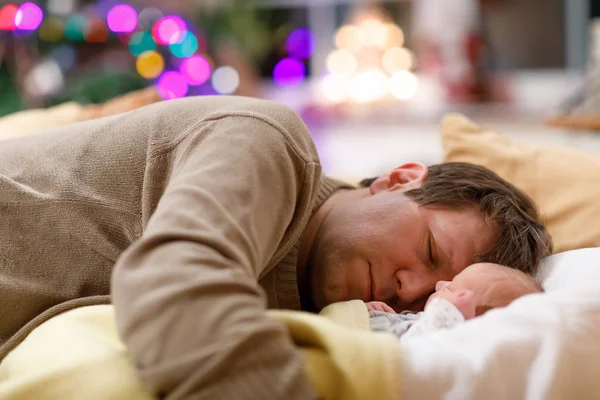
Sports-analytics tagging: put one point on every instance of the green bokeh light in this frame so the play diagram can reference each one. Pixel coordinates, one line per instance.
(141, 42)
(76, 27)
(186, 47)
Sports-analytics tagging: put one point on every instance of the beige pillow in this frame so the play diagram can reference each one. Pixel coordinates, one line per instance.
(564, 182)
(30, 122)
(33, 121)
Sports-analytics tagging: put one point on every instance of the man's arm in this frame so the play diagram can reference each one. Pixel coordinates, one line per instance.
(186, 295)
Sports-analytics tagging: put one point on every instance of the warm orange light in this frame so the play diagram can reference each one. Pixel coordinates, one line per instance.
(150, 64)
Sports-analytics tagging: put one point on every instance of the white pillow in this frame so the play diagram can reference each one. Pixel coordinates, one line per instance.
(571, 268)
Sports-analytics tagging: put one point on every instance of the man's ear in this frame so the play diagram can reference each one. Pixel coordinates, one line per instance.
(405, 177)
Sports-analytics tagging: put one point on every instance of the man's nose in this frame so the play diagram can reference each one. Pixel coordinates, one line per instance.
(415, 285)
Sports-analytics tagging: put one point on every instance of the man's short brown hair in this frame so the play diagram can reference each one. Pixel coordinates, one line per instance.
(521, 238)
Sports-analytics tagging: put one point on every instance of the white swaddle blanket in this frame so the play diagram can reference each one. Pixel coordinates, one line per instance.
(542, 346)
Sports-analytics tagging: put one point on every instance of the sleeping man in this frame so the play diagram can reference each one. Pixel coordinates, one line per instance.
(194, 216)
(477, 289)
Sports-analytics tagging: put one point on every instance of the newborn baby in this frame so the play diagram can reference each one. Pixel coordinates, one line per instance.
(477, 289)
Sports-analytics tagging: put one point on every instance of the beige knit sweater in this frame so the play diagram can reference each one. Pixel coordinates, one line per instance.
(187, 204)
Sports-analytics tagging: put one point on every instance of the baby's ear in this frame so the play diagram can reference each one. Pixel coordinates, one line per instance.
(465, 302)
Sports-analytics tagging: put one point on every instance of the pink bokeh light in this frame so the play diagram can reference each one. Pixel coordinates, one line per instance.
(122, 19)
(169, 30)
(7, 17)
(195, 69)
(172, 85)
(29, 17)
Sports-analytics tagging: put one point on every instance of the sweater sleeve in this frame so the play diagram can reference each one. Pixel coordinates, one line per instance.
(186, 296)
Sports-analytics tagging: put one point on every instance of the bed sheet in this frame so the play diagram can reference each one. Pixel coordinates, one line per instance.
(542, 346)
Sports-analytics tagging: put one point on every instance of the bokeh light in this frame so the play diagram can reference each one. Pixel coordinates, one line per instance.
(7, 17)
(300, 43)
(341, 61)
(373, 32)
(65, 56)
(169, 30)
(44, 79)
(394, 36)
(403, 85)
(196, 70)
(76, 27)
(368, 86)
(148, 17)
(349, 37)
(150, 64)
(61, 7)
(186, 47)
(289, 72)
(97, 32)
(52, 29)
(122, 18)
(29, 17)
(225, 80)
(172, 85)
(397, 59)
(141, 42)
(334, 87)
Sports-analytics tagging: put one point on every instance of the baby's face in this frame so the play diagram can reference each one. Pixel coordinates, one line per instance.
(463, 300)
(464, 291)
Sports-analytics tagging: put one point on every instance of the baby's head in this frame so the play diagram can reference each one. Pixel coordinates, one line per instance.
(481, 287)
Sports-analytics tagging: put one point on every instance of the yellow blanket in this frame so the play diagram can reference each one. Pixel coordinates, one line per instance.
(78, 355)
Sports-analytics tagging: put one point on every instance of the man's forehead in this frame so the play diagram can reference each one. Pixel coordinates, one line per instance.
(462, 235)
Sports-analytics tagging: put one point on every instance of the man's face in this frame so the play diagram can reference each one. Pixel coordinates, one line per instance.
(385, 247)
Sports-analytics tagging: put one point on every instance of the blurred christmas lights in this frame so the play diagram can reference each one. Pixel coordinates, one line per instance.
(29, 17)
(168, 30)
(141, 42)
(52, 29)
(97, 31)
(367, 86)
(122, 18)
(65, 57)
(225, 80)
(172, 85)
(150, 64)
(195, 69)
(300, 43)
(289, 72)
(186, 47)
(143, 33)
(362, 49)
(148, 17)
(7, 17)
(403, 85)
(76, 27)
(333, 87)
(341, 61)
(397, 59)
(44, 79)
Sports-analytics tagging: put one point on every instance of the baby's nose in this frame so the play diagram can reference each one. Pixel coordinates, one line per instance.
(440, 285)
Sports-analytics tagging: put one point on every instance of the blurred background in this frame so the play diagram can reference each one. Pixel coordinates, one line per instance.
(370, 78)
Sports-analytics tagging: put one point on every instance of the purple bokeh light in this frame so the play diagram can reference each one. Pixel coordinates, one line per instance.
(300, 43)
(169, 30)
(195, 69)
(172, 85)
(289, 72)
(29, 16)
(122, 18)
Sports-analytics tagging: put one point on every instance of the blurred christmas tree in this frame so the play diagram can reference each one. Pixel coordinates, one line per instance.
(92, 51)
